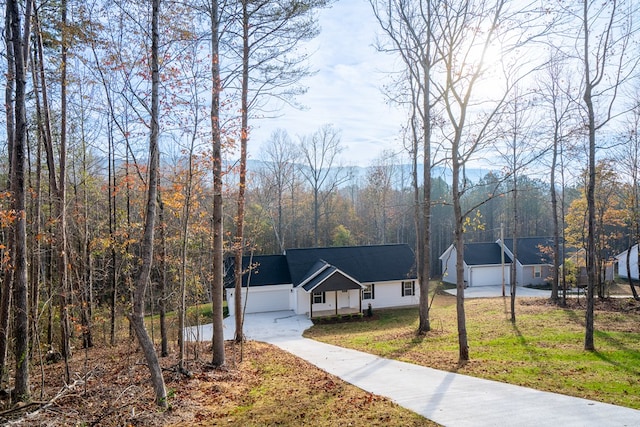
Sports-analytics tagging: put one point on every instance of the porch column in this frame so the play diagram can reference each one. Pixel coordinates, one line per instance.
(311, 305)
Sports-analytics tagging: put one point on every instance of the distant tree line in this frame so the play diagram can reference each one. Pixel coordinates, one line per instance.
(126, 176)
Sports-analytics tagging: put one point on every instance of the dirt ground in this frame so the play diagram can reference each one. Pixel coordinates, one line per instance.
(270, 387)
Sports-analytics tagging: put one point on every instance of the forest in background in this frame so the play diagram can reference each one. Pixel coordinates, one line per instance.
(104, 99)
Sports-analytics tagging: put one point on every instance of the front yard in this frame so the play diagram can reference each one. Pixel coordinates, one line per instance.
(543, 350)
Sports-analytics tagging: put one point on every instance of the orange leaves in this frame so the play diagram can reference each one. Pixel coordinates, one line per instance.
(7, 217)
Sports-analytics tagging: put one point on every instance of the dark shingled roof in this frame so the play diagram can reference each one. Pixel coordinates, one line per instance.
(267, 270)
(529, 250)
(363, 263)
(329, 278)
(484, 254)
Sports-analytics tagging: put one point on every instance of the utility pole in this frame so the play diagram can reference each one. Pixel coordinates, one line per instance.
(502, 255)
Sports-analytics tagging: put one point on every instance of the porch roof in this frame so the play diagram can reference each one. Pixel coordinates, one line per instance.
(330, 278)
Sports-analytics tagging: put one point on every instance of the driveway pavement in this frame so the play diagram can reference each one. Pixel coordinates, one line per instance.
(496, 291)
(444, 397)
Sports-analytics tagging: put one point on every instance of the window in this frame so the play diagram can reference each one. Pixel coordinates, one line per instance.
(318, 298)
(537, 271)
(368, 292)
(408, 288)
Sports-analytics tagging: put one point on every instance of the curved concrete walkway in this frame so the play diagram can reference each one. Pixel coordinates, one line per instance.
(444, 397)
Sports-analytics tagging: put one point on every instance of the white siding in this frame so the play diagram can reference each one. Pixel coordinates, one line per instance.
(349, 299)
(262, 298)
(633, 261)
(389, 294)
(301, 301)
(449, 266)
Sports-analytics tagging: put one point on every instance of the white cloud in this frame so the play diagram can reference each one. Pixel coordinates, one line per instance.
(346, 91)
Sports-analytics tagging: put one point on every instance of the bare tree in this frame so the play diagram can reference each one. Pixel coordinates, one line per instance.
(519, 152)
(408, 25)
(280, 154)
(7, 273)
(137, 314)
(320, 152)
(379, 184)
(217, 283)
(270, 31)
(557, 93)
(467, 31)
(606, 30)
(19, 44)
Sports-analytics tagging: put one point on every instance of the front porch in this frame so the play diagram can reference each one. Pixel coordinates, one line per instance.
(333, 313)
(333, 293)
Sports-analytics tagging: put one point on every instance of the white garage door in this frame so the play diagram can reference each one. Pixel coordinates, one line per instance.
(488, 276)
(263, 299)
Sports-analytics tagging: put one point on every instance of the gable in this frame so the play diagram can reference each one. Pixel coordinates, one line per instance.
(362, 263)
(331, 279)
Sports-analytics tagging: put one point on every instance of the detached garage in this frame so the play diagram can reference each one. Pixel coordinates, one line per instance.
(482, 264)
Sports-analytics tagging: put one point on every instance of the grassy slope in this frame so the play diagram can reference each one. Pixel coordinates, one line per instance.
(543, 350)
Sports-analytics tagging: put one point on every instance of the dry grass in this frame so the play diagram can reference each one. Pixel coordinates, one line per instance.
(270, 387)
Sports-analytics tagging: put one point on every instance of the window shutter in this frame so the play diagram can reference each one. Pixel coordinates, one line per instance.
(373, 291)
(402, 287)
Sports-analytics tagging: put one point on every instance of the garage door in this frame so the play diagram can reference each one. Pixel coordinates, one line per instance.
(488, 276)
(264, 299)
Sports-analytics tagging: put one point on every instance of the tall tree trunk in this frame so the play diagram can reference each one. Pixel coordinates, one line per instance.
(591, 185)
(86, 306)
(554, 211)
(136, 317)
(7, 273)
(514, 261)
(217, 284)
(113, 276)
(463, 345)
(20, 43)
(244, 136)
(183, 255)
(516, 218)
(64, 300)
(36, 259)
(425, 324)
(162, 300)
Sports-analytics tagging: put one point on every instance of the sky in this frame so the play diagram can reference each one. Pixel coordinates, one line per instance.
(347, 89)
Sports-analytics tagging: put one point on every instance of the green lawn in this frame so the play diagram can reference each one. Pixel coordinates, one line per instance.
(543, 350)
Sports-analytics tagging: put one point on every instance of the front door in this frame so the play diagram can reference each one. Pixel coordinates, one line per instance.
(343, 299)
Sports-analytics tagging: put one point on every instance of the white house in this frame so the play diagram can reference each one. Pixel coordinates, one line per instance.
(326, 281)
(483, 264)
(621, 260)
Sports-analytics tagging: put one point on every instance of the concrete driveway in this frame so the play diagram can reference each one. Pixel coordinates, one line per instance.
(265, 327)
(447, 398)
(496, 291)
